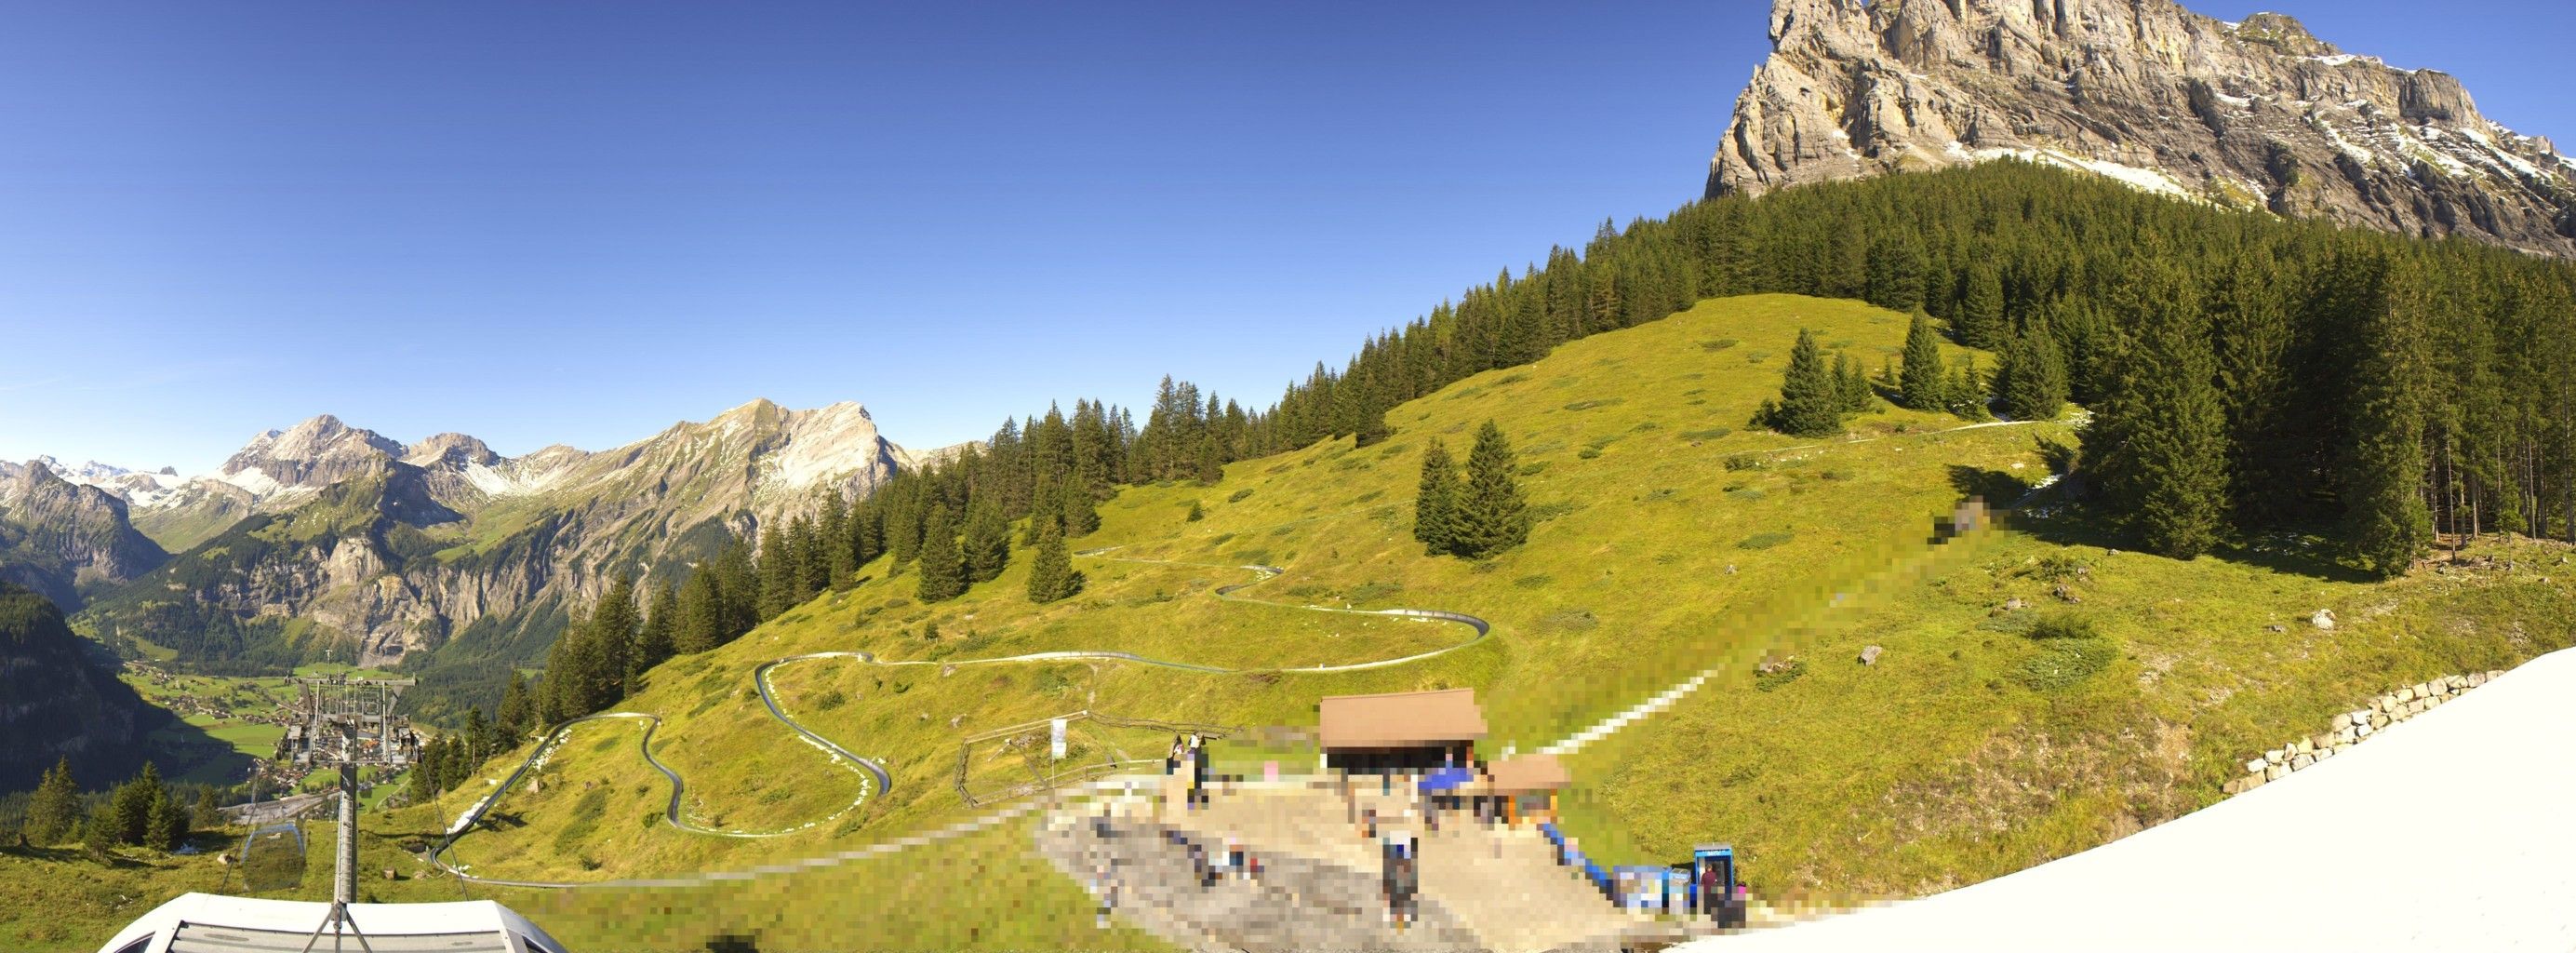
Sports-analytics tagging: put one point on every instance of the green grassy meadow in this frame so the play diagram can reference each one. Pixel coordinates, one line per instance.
(1672, 539)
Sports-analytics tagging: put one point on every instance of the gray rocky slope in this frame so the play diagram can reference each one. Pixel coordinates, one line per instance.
(61, 539)
(2257, 114)
(391, 549)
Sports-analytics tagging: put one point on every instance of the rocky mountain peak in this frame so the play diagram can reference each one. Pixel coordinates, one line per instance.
(2283, 33)
(2255, 114)
(450, 449)
(57, 536)
(309, 455)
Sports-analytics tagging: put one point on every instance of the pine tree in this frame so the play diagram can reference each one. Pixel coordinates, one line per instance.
(1197, 512)
(1968, 391)
(988, 541)
(54, 811)
(516, 715)
(207, 814)
(1924, 384)
(867, 537)
(737, 584)
(813, 564)
(832, 533)
(1981, 315)
(1208, 465)
(778, 573)
(658, 639)
(943, 570)
(423, 786)
(702, 616)
(1851, 385)
(167, 825)
(131, 806)
(2164, 458)
(1079, 518)
(548, 692)
(1810, 400)
(478, 737)
(1372, 427)
(102, 832)
(2386, 523)
(1435, 502)
(613, 623)
(1895, 273)
(1051, 573)
(2031, 381)
(1491, 516)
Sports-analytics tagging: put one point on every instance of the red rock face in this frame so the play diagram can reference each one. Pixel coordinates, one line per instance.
(2258, 114)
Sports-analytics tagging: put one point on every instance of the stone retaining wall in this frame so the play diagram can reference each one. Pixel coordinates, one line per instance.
(2353, 727)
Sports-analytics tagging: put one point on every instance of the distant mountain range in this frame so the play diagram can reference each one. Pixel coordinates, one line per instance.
(327, 539)
(2258, 114)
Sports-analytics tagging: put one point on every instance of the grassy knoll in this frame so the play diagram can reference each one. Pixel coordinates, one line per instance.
(1625, 441)
(1671, 540)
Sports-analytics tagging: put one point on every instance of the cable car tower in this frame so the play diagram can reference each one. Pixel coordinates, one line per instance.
(345, 723)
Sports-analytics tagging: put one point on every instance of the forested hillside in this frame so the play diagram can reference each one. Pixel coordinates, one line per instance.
(2249, 374)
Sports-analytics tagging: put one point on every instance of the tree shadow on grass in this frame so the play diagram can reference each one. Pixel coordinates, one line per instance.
(2054, 519)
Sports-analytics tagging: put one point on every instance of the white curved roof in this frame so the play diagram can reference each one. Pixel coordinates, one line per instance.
(210, 923)
(2450, 830)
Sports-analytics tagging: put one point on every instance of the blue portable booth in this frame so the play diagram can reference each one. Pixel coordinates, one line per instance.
(1714, 891)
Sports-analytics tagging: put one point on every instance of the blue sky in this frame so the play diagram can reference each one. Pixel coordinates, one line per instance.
(577, 223)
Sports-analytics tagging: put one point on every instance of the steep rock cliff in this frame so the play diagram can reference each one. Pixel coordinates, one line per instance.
(63, 539)
(2257, 114)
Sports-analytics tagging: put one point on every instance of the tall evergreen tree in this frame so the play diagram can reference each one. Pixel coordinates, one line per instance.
(1080, 519)
(867, 536)
(988, 541)
(2386, 522)
(1895, 273)
(1968, 391)
(1051, 573)
(478, 737)
(54, 811)
(943, 570)
(1923, 384)
(132, 805)
(206, 814)
(101, 832)
(701, 624)
(516, 714)
(551, 704)
(1851, 385)
(613, 623)
(1981, 321)
(2030, 382)
(658, 638)
(812, 563)
(1491, 516)
(778, 576)
(2165, 461)
(1811, 403)
(1435, 502)
(738, 583)
(832, 533)
(166, 826)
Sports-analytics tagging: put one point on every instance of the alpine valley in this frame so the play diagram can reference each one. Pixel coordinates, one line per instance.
(325, 541)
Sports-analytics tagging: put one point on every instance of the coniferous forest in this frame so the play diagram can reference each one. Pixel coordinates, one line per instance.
(2247, 375)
